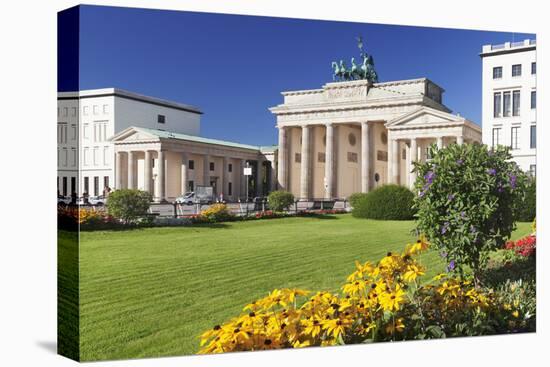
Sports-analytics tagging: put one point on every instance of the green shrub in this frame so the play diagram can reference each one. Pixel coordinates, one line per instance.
(355, 198)
(528, 206)
(388, 202)
(128, 205)
(468, 201)
(280, 200)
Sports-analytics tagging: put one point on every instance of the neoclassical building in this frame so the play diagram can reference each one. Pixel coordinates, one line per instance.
(169, 164)
(352, 136)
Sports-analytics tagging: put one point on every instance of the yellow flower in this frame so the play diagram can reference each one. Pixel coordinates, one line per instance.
(336, 327)
(298, 344)
(355, 287)
(312, 326)
(396, 326)
(391, 300)
(515, 313)
(412, 272)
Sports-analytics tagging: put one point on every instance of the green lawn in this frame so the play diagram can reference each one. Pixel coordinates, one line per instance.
(151, 292)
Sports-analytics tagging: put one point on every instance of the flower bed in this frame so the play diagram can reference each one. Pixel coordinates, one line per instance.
(88, 218)
(379, 302)
(526, 246)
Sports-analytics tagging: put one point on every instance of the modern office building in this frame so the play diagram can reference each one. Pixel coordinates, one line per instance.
(509, 99)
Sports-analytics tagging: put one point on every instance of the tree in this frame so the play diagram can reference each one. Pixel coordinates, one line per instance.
(468, 199)
(128, 205)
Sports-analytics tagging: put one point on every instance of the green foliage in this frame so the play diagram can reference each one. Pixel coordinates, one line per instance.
(528, 207)
(355, 198)
(280, 200)
(468, 201)
(388, 202)
(128, 205)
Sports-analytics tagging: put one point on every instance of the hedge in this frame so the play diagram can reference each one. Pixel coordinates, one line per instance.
(388, 202)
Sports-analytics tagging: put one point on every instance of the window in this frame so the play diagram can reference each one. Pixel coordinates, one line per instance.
(516, 70)
(105, 109)
(497, 105)
(230, 168)
(86, 156)
(404, 154)
(533, 99)
(230, 188)
(352, 140)
(73, 184)
(212, 167)
(533, 170)
(533, 136)
(533, 68)
(73, 155)
(161, 119)
(297, 158)
(96, 109)
(105, 181)
(352, 157)
(497, 72)
(515, 138)
(496, 136)
(64, 186)
(507, 104)
(515, 102)
(191, 164)
(86, 184)
(191, 186)
(96, 185)
(428, 155)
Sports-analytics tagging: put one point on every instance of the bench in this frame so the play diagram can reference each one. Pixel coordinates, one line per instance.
(323, 205)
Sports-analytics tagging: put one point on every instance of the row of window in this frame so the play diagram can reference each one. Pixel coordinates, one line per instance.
(516, 70)
(62, 132)
(99, 133)
(63, 159)
(508, 103)
(64, 189)
(191, 166)
(86, 110)
(92, 156)
(514, 137)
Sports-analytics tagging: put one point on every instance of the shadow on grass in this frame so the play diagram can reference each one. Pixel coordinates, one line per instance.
(319, 216)
(498, 274)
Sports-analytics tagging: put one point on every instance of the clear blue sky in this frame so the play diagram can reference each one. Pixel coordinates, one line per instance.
(234, 67)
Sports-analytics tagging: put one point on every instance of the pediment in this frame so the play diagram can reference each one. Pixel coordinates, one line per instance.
(132, 134)
(425, 117)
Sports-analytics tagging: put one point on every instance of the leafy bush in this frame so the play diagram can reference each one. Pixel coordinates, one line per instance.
(216, 213)
(129, 205)
(468, 201)
(280, 200)
(355, 198)
(528, 206)
(379, 302)
(388, 202)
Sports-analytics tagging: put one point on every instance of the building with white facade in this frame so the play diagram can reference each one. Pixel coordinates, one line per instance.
(509, 97)
(87, 119)
(116, 138)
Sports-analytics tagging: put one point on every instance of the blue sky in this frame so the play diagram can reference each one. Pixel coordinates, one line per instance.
(234, 67)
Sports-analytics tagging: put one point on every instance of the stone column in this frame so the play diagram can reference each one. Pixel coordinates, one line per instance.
(224, 184)
(206, 170)
(439, 142)
(148, 172)
(259, 178)
(184, 173)
(393, 160)
(413, 158)
(243, 185)
(282, 159)
(365, 157)
(460, 139)
(329, 161)
(161, 177)
(305, 164)
(131, 169)
(118, 170)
